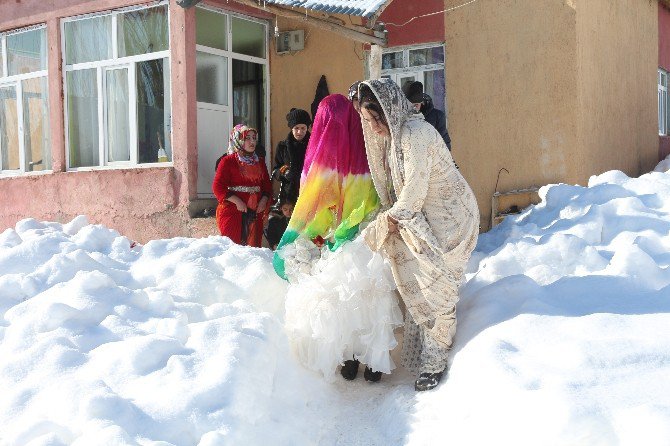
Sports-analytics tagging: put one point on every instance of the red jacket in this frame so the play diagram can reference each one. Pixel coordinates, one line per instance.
(232, 172)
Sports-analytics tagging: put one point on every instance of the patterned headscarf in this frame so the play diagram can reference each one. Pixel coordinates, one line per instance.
(397, 110)
(236, 140)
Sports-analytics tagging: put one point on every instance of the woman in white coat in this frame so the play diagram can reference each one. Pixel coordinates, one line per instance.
(427, 227)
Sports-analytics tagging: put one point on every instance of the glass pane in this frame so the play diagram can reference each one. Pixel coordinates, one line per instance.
(660, 114)
(116, 112)
(143, 31)
(211, 78)
(36, 124)
(27, 52)
(426, 56)
(435, 88)
(210, 29)
(392, 60)
(153, 111)
(82, 103)
(9, 129)
(248, 37)
(249, 95)
(665, 111)
(88, 40)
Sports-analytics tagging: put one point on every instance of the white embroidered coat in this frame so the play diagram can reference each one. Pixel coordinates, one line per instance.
(438, 218)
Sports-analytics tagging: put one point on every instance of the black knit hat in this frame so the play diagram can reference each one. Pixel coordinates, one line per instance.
(413, 91)
(297, 116)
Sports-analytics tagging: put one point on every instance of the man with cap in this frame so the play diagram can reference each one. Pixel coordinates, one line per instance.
(290, 155)
(424, 103)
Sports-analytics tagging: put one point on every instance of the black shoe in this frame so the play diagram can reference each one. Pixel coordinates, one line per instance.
(427, 381)
(349, 369)
(372, 376)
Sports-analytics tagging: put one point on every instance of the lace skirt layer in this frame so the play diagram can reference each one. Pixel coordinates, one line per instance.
(340, 305)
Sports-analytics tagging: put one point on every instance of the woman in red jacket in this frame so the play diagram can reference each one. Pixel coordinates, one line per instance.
(242, 186)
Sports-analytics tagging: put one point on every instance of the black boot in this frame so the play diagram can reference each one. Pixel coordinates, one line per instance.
(427, 381)
(372, 376)
(349, 369)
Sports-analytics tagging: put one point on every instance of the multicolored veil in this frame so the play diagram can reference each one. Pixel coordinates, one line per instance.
(336, 189)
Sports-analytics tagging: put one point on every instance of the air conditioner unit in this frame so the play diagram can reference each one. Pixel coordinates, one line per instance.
(291, 41)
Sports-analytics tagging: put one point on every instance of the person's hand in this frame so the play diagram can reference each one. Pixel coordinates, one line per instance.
(239, 204)
(283, 169)
(393, 224)
(262, 204)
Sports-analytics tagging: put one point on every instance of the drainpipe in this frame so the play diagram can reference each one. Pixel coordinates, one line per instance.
(374, 63)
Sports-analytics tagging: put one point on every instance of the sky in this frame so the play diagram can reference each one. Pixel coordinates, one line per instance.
(563, 329)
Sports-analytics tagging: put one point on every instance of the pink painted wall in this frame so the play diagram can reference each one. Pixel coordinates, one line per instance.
(142, 203)
(139, 203)
(663, 62)
(242, 9)
(423, 30)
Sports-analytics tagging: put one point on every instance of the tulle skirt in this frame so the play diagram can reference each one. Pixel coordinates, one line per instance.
(340, 305)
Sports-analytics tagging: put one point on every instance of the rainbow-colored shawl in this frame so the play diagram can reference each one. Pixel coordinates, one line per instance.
(336, 190)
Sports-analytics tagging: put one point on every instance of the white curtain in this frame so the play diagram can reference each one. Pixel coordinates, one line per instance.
(118, 128)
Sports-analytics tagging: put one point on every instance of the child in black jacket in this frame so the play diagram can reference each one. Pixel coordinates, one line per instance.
(277, 223)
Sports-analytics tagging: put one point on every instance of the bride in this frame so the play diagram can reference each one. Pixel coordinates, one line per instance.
(341, 306)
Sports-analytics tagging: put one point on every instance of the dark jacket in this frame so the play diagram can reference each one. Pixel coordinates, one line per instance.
(277, 224)
(436, 118)
(290, 153)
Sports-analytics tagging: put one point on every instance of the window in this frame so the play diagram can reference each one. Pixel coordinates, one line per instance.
(392, 60)
(117, 88)
(419, 63)
(662, 102)
(231, 67)
(24, 104)
(231, 84)
(248, 37)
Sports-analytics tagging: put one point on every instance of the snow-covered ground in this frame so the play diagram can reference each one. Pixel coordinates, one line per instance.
(563, 339)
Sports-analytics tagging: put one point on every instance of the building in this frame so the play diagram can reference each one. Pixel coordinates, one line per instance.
(663, 70)
(118, 109)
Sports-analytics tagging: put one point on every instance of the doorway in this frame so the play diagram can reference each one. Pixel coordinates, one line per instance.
(231, 85)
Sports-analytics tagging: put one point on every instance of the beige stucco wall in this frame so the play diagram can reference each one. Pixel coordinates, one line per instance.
(294, 76)
(617, 52)
(552, 90)
(511, 76)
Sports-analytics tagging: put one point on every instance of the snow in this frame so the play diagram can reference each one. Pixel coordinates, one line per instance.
(562, 339)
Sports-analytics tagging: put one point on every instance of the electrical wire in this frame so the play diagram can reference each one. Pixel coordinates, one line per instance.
(444, 11)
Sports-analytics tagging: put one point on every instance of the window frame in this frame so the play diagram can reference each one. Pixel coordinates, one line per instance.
(16, 81)
(230, 55)
(101, 66)
(406, 69)
(405, 58)
(663, 105)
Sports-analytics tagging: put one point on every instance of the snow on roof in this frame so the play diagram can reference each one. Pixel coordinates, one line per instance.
(362, 8)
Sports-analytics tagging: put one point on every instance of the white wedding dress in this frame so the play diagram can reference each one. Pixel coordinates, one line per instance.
(340, 305)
